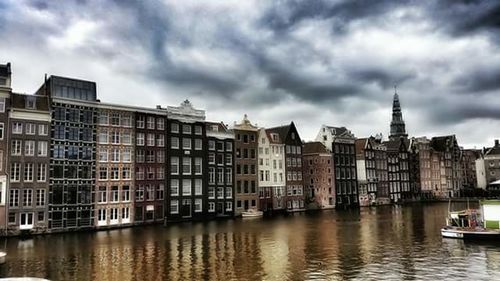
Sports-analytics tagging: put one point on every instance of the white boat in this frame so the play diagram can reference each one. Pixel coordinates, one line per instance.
(252, 213)
(474, 224)
(3, 255)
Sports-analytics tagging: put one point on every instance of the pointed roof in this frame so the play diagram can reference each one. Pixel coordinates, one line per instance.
(441, 143)
(398, 127)
(284, 130)
(314, 147)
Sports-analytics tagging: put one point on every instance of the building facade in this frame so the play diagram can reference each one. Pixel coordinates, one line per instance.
(115, 186)
(220, 196)
(450, 160)
(488, 168)
(187, 152)
(295, 199)
(5, 92)
(272, 182)
(72, 159)
(246, 147)
(318, 176)
(29, 121)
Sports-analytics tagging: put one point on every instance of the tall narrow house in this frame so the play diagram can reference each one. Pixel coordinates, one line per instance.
(341, 143)
(114, 187)
(450, 156)
(5, 92)
(246, 146)
(272, 182)
(150, 154)
(187, 152)
(73, 149)
(295, 200)
(220, 162)
(318, 176)
(29, 120)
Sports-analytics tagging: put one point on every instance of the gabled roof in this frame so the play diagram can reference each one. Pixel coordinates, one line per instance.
(270, 134)
(314, 147)
(395, 144)
(5, 70)
(360, 145)
(442, 143)
(284, 131)
(339, 131)
(493, 151)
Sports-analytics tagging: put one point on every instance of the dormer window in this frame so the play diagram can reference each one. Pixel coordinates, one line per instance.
(275, 137)
(293, 135)
(215, 128)
(30, 102)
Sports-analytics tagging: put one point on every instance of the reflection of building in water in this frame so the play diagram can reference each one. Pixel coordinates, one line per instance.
(274, 254)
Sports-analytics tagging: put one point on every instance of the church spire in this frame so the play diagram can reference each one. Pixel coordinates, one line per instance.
(397, 124)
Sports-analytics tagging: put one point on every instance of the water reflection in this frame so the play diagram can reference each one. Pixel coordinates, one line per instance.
(393, 243)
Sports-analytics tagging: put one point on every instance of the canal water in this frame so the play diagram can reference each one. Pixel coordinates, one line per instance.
(383, 243)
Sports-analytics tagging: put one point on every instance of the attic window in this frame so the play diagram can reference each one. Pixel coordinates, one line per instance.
(293, 135)
(275, 137)
(30, 102)
(215, 128)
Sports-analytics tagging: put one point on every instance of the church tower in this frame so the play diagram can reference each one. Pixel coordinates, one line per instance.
(397, 124)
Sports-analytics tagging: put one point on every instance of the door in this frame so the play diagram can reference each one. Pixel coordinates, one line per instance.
(246, 205)
(186, 208)
(26, 221)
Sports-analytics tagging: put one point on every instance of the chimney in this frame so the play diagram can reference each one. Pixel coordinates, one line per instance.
(496, 143)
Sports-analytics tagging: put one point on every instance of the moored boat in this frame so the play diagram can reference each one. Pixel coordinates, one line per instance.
(252, 213)
(474, 224)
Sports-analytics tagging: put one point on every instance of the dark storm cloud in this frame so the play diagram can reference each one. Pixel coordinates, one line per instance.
(338, 57)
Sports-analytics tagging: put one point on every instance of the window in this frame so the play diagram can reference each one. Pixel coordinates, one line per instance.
(17, 128)
(174, 142)
(220, 192)
(174, 206)
(174, 165)
(30, 129)
(160, 173)
(174, 187)
(27, 197)
(160, 156)
(140, 122)
(186, 129)
(2, 100)
(43, 129)
(150, 156)
(42, 173)
(115, 173)
(151, 122)
(140, 156)
(211, 158)
(103, 136)
(103, 173)
(115, 137)
(28, 172)
(103, 118)
(59, 132)
(198, 130)
(127, 121)
(211, 145)
(151, 140)
(160, 192)
(126, 138)
(115, 119)
(211, 175)
(160, 140)
(174, 128)
(197, 144)
(126, 173)
(127, 155)
(101, 216)
(229, 146)
(186, 143)
(1, 130)
(229, 175)
(197, 166)
(229, 206)
(42, 148)
(125, 193)
(140, 139)
(15, 172)
(211, 192)
(160, 124)
(197, 205)
(211, 206)
(186, 166)
(115, 155)
(29, 148)
(198, 187)
(14, 198)
(115, 196)
(229, 159)
(102, 195)
(16, 147)
(139, 173)
(229, 192)
(40, 197)
(186, 187)
(220, 175)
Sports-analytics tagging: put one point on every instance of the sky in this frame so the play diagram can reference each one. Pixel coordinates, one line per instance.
(314, 62)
